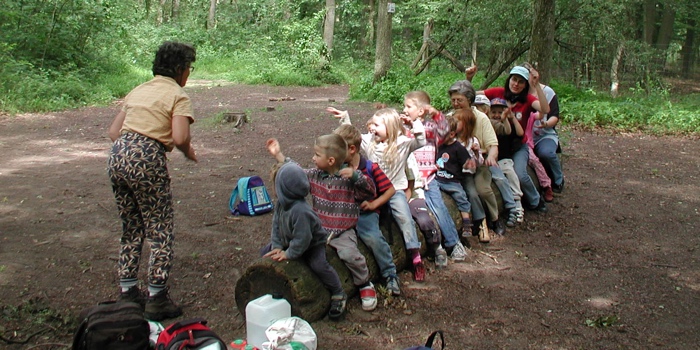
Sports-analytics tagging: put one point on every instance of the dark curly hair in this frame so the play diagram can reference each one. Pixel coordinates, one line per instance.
(173, 58)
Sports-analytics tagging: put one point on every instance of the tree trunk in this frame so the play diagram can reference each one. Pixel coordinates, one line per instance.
(424, 51)
(211, 18)
(309, 299)
(329, 26)
(176, 10)
(614, 78)
(382, 54)
(371, 26)
(649, 21)
(688, 50)
(161, 12)
(542, 38)
(663, 40)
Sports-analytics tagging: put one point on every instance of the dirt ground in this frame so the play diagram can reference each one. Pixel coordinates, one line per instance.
(614, 264)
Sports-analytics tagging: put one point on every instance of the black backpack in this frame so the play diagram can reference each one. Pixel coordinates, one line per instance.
(112, 326)
(429, 343)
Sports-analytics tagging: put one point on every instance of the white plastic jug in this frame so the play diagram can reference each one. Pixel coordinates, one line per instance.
(260, 313)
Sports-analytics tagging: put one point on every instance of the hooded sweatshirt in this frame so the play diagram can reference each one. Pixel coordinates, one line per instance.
(295, 226)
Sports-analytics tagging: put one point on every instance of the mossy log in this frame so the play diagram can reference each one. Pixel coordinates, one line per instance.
(295, 281)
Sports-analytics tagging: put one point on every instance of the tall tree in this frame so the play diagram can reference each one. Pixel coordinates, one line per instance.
(689, 51)
(329, 26)
(211, 18)
(382, 58)
(543, 38)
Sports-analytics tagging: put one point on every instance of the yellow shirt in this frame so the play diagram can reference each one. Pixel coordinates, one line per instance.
(150, 108)
(483, 131)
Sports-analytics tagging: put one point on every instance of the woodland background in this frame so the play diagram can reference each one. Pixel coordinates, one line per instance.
(61, 54)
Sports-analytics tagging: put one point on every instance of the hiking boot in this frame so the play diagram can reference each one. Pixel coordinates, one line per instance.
(419, 272)
(393, 285)
(160, 307)
(441, 258)
(458, 252)
(337, 310)
(368, 295)
(466, 227)
(548, 194)
(484, 235)
(133, 295)
(498, 227)
(558, 188)
(512, 218)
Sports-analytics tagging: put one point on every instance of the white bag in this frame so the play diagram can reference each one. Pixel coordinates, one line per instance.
(290, 333)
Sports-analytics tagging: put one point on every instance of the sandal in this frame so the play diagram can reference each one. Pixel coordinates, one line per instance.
(337, 310)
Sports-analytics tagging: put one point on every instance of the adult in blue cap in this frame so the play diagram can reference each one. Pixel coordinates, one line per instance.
(516, 92)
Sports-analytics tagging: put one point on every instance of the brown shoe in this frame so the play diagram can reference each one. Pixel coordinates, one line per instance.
(133, 295)
(160, 307)
(484, 235)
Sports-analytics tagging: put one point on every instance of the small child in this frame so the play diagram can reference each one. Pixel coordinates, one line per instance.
(297, 233)
(421, 214)
(534, 161)
(368, 222)
(482, 103)
(417, 107)
(335, 194)
(387, 145)
(509, 133)
(453, 162)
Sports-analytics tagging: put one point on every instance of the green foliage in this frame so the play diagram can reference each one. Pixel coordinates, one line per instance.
(603, 321)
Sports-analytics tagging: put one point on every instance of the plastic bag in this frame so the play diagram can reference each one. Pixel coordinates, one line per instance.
(290, 333)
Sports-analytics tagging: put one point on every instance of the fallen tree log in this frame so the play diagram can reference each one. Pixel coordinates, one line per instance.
(295, 281)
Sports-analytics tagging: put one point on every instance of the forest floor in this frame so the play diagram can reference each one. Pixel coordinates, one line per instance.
(614, 264)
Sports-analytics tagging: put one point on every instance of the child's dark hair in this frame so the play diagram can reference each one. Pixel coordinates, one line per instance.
(351, 135)
(172, 58)
(334, 146)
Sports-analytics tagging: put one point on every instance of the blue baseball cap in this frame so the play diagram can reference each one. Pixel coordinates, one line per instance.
(521, 71)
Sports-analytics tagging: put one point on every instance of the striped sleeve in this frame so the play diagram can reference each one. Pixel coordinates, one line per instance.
(380, 179)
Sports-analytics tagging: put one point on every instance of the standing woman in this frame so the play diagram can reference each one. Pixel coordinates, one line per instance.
(516, 92)
(155, 117)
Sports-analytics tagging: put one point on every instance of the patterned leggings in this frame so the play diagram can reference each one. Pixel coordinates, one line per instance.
(141, 186)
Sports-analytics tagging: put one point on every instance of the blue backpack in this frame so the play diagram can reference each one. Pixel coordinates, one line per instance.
(250, 197)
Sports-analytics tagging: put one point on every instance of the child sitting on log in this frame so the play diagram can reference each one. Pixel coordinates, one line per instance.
(297, 233)
(336, 192)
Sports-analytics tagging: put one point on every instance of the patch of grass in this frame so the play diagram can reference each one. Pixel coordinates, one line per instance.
(603, 321)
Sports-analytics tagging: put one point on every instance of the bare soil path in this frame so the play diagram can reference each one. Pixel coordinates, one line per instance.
(614, 264)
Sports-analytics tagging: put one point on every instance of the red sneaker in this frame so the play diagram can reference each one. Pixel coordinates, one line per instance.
(419, 272)
(548, 194)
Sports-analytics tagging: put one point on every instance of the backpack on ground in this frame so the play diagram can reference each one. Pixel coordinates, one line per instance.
(112, 326)
(189, 334)
(250, 197)
(429, 342)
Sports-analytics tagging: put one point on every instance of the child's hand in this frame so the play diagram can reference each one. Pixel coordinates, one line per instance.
(430, 110)
(342, 115)
(272, 253)
(280, 256)
(346, 173)
(475, 147)
(406, 120)
(191, 155)
(470, 164)
(368, 206)
(273, 146)
(470, 72)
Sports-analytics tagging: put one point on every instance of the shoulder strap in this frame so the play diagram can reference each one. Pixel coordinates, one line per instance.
(238, 194)
(431, 338)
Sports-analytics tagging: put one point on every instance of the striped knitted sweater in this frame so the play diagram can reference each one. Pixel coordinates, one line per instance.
(336, 199)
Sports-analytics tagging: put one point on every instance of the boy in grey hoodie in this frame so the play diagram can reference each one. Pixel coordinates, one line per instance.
(297, 233)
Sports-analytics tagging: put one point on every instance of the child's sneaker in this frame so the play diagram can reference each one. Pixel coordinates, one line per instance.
(369, 297)
(512, 218)
(337, 310)
(392, 284)
(466, 227)
(458, 252)
(521, 216)
(440, 258)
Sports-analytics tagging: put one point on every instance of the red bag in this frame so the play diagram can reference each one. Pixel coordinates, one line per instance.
(189, 334)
